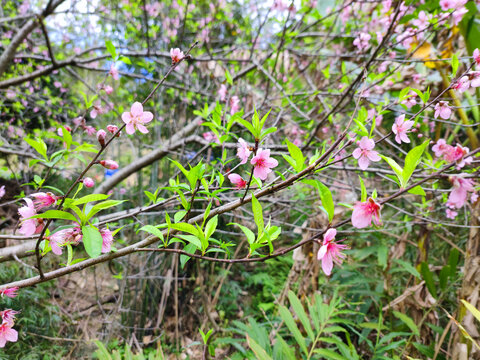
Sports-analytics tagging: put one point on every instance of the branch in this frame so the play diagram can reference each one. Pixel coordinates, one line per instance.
(7, 56)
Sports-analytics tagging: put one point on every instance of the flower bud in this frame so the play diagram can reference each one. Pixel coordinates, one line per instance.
(109, 164)
(101, 134)
(88, 182)
(112, 128)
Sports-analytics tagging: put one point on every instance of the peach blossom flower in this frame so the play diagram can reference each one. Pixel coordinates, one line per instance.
(137, 118)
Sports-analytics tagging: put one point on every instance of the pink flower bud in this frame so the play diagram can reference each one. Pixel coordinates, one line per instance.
(101, 134)
(88, 182)
(109, 164)
(112, 128)
(108, 89)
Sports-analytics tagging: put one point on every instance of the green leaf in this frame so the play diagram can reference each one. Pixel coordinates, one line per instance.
(211, 227)
(38, 145)
(179, 215)
(417, 190)
(55, 214)
(412, 160)
(472, 309)
(185, 227)
(192, 239)
(300, 311)
(152, 230)
(92, 241)
(428, 277)
(453, 261)
(248, 233)
(257, 213)
(325, 196)
(111, 49)
(407, 321)
(228, 77)
(248, 126)
(297, 155)
(189, 248)
(90, 198)
(443, 276)
(408, 267)
(455, 64)
(288, 319)
(328, 354)
(102, 206)
(259, 352)
(396, 168)
(364, 190)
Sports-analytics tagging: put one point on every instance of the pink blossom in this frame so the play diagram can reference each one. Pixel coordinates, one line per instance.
(88, 182)
(361, 41)
(474, 198)
(443, 110)
(461, 186)
(114, 72)
(440, 147)
(44, 200)
(451, 214)
(234, 104)
(237, 180)
(107, 240)
(109, 164)
(9, 292)
(176, 55)
(2, 191)
(62, 237)
(410, 101)
(447, 4)
(422, 21)
(97, 110)
(263, 164)
(222, 92)
(458, 15)
(462, 84)
(364, 212)
(137, 118)
(474, 78)
(211, 137)
(400, 128)
(101, 135)
(365, 153)
(90, 130)
(243, 151)
(108, 89)
(476, 56)
(112, 128)
(330, 251)
(7, 333)
(29, 226)
(8, 316)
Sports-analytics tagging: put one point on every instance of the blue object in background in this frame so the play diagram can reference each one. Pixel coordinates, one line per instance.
(110, 173)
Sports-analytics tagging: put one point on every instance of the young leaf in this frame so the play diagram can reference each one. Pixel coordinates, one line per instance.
(257, 214)
(396, 168)
(364, 190)
(152, 230)
(92, 241)
(111, 49)
(39, 146)
(412, 160)
(297, 155)
(55, 214)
